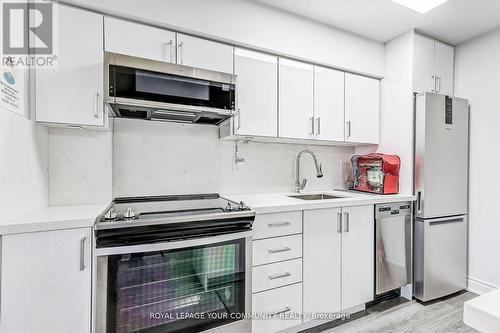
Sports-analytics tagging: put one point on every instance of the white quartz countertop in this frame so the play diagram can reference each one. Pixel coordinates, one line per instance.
(54, 218)
(483, 312)
(281, 202)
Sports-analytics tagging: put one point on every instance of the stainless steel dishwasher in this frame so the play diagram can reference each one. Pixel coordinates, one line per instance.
(393, 237)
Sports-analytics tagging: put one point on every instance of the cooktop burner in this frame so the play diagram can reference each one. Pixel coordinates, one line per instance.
(164, 209)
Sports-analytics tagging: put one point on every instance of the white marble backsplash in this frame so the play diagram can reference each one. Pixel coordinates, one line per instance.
(155, 158)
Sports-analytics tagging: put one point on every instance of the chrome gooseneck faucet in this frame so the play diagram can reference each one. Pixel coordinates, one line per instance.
(299, 186)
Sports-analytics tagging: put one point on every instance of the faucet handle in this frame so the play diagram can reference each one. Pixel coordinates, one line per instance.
(304, 182)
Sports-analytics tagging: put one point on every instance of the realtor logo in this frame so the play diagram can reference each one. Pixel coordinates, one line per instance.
(28, 33)
(22, 22)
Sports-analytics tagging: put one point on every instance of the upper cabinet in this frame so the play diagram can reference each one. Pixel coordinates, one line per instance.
(257, 98)
(328, 104)
(362, 104)
(315, 103)
(296, 119)
(72, 93)
(144, 41)
(202, 53)
(444, 64)
(139, 40)
(433, 69)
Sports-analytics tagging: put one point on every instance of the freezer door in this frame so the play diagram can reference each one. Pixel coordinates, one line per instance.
(441, 155)
(440, 257)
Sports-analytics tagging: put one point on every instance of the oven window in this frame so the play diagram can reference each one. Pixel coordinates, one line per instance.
(167, 88)
(182, 290)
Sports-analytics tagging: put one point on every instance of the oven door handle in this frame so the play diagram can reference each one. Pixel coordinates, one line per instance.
(153, 247)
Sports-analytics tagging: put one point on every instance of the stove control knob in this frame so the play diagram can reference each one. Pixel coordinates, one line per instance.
(110, 215)
(242, 206)
(129, 214)
(229, 207)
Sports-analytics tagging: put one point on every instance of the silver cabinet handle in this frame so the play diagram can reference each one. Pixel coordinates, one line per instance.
(180, 47)
(96, 104)
(348, 129)
(339, 222)
(171, 47)
(419, 202)
(318, 126)
(280, 276)
(346, 227)
(278, 224)
(433, 83)
(239, 119)
(311, 133)
(285, 249)
(284, 310)
(82, 253)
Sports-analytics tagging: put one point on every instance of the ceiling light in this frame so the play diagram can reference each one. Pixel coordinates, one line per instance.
(421, 6)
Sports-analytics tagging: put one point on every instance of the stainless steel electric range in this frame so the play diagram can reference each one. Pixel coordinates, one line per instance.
(173, 264)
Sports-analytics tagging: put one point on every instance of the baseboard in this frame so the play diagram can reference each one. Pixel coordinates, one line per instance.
(479, 287)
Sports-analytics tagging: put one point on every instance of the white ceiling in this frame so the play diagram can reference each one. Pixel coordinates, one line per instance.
(454, 22)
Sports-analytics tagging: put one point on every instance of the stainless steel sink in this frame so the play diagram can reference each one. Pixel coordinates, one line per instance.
(320, 196)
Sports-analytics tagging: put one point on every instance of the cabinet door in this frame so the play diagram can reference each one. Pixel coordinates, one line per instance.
(321, 256)
(444, 68)
(257, 88)
(423, 65)
(329, 104)
(358, 253)
(138, 40)
(202, 53)
(46, 282)
(295, 100)
(362, 105)
(71, 93)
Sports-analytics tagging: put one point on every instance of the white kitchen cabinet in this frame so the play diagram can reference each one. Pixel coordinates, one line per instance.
(357, 255)
(281, 302)
(362, 109)
(202, 53)
(444, 63)
(322, 261)
(72, 93)
(433, 68)
(423, 72)
(46, 282)
(139, 40)
(296, 99)
(257, 84)
(328, 104)
(338, 257)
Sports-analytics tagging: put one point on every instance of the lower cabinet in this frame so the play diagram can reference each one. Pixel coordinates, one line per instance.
(338, 257)
(280, 303)
(46, 282)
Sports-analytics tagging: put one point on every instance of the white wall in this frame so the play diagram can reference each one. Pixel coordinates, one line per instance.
(254, 25)
(477, 78)
(155, 158)
(80, 166)
(23, 165)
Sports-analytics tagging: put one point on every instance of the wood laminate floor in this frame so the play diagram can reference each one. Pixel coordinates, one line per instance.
(398, 315)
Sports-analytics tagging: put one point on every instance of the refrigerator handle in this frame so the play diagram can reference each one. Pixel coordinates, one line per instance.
(419, 202)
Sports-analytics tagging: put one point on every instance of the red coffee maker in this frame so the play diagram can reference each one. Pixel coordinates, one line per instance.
(376, 173)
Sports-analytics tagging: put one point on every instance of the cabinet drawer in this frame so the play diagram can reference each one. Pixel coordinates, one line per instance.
(287, 300)
(266, 251)
(276, 275)
(279, 224)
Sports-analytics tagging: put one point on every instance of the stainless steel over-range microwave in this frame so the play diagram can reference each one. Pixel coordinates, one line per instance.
(155, 90)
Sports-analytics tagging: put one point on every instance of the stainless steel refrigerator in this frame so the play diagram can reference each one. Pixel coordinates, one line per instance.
(441, 186)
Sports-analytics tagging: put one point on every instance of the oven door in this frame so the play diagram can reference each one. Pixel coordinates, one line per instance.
(186, 286)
